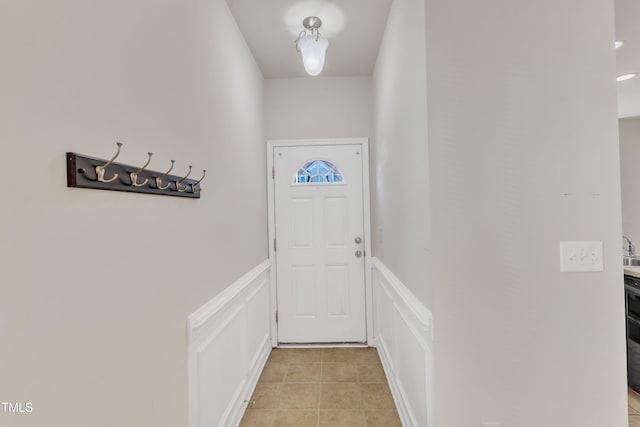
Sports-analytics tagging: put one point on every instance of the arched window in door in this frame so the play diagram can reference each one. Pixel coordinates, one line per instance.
(318, 171)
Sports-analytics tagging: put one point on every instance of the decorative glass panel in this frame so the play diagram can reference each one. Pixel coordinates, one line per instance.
(318, 171)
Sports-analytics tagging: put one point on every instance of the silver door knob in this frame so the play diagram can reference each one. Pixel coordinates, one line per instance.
(358, 240)
(358, 254)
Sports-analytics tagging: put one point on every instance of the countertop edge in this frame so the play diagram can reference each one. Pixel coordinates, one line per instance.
(632, 271)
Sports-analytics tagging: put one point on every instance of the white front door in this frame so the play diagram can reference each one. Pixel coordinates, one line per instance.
(320, 243)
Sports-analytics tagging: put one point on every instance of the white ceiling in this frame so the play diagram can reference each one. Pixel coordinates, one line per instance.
(628, 29)
(354, 29)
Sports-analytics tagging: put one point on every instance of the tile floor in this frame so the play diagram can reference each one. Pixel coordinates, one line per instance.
(322, 387)
(634, 409)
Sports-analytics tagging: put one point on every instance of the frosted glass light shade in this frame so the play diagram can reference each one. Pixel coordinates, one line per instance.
(312, 52)
(626, 77)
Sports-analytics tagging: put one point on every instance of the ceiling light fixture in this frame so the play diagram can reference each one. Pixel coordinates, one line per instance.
(626, 77)
(312, 46)
(618, 44)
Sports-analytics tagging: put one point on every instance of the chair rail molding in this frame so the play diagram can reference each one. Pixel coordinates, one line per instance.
(404, 338)
(228, 344)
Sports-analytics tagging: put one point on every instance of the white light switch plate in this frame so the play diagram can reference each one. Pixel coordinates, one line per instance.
(581, 256)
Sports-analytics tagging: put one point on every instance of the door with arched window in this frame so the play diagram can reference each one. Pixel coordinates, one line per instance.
(320, 255)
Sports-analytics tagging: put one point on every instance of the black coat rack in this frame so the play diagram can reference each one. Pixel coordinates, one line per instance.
(98, 174)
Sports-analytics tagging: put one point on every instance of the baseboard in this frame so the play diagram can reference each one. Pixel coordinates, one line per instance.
(229, 342)
(404, 338)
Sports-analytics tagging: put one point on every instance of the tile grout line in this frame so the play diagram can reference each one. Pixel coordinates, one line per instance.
(362, 411)
(633, 399)
(355, 361)
(277, 404)
(281, 390)
(320, 388)
(356, 367)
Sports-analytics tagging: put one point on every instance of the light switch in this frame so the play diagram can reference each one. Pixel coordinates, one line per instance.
(581, 256)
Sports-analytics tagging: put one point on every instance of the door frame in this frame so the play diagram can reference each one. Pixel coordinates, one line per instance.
(273, 301)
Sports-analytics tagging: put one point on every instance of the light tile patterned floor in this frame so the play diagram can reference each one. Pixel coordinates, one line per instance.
(322, 387)
(634, 409)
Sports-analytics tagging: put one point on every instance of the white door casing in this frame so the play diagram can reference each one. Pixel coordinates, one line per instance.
(322, 234)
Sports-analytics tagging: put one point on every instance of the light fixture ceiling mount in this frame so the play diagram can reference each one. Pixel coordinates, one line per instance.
(312, 23)
(312, 46)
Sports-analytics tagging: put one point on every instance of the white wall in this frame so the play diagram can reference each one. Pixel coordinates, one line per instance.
(630, 178)
(96, 286)
(318, 107)
(524, 154)
(400, 170)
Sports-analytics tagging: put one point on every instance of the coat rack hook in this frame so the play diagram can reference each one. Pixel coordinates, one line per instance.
(134, 175)
(195, 184)
(179, 183)
(160, 178)
(101, 169)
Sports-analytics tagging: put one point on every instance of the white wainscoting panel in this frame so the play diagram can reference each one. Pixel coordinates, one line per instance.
(404, 338)
(229, 342)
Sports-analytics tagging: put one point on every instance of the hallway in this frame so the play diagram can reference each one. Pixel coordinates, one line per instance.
(493, 137)
(322, 387)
